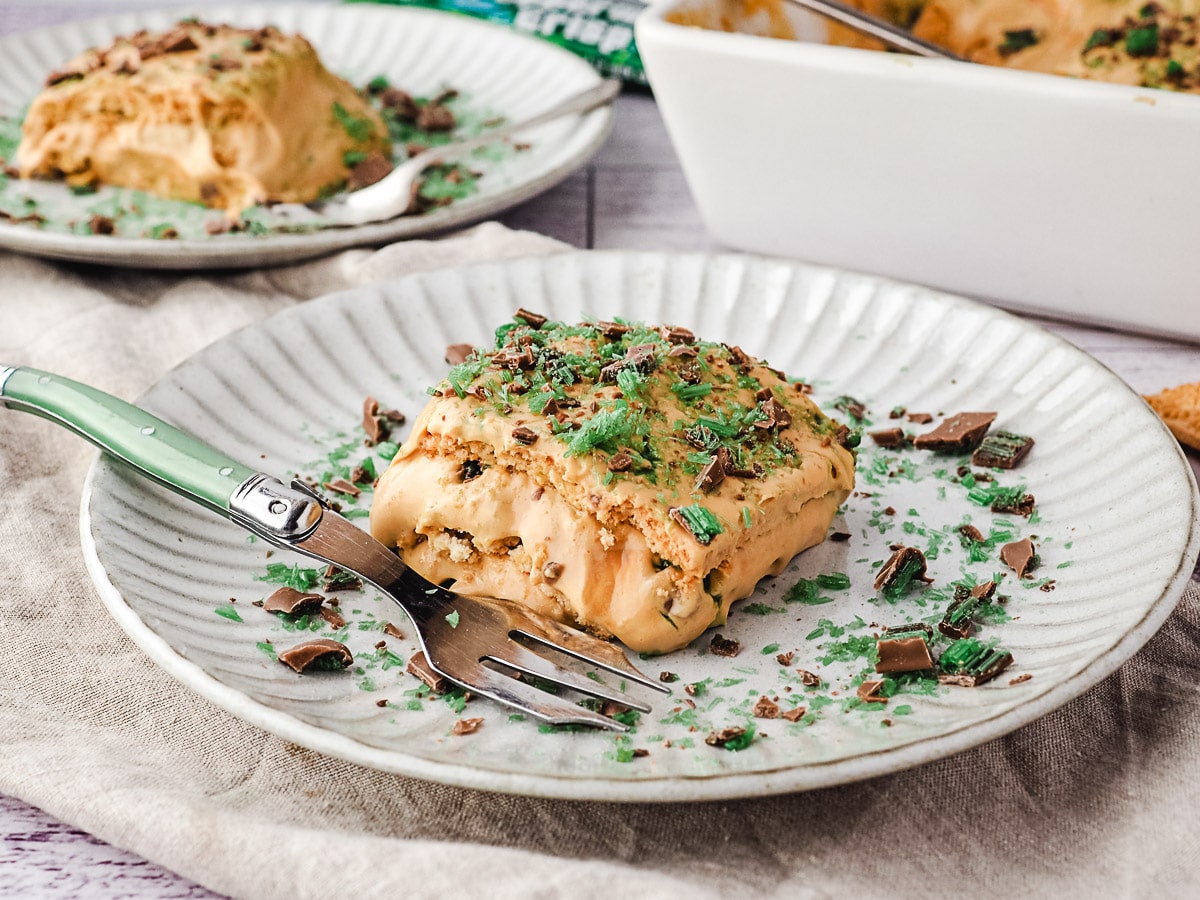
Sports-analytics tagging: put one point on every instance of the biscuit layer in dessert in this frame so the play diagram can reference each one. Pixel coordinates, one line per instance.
(214, 114)
(631, 480)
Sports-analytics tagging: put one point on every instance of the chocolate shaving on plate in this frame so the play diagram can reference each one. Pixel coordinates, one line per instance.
(419, 666)
(292, 602)
(909, 654)
(1022, 506)
(795, 714)
(903, 558)
(435, 117)
(721, 646)
(333, 617)
(1002, 450)
(390, 629)
(765, 708)
(375, 167)
(467, 726)
(321, 653)
(723, 737)
(919, 418)
(373, 423)
(342, 486)
(1020, 556)
(101, 225)
(868, 692)
(959, 433)
(888, 437)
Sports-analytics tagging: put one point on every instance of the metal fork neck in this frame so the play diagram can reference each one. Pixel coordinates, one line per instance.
(275, 511)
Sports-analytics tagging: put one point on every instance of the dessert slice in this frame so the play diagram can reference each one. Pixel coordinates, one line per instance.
(635, 481)
(224, 116)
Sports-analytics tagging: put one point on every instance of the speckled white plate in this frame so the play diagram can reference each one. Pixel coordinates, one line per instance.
(1115, 527)
(497, 71)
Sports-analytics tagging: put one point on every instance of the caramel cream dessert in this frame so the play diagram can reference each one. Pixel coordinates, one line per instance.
(219, 115)
(634, 481)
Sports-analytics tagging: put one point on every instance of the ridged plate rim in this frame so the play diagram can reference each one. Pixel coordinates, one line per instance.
(786, 778)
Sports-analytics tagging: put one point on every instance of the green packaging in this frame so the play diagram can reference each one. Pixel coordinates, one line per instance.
(600, 31)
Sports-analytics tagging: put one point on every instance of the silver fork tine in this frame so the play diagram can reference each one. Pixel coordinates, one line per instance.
(556, 710)
(524, 660)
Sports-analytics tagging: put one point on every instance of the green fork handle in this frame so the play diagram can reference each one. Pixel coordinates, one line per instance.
(160, 451)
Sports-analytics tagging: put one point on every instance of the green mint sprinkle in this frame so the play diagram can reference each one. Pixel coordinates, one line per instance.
(1016, 41)
(387, 449)
(701, 522)
(806, 591)
(689, 393)
(608, 429)
(295, 577)
(267, 649)
(453, 619)
(352, 158)
(834, 581)
(1174, 69)
(228, 612)
(358, 129)
(1101, 37)
(769, 649)
(759, 609)
(741, 741)
(746, 519)
(903, 710)
(1142, 41)
(378, 83)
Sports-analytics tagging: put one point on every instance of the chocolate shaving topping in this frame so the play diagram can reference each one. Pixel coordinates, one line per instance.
(401, 103)
(225, 64)
(809, 679)
(333, 617)
(620, 462)
(640, 357)
(712, 474)
(765, 708)
(888, 437)
(613, 330)
(371, 169)
(515, 359)
(1002, 450)
(523, 435)
(777, 416)
(959, 433)
(795, 714)
(293, 602)
(1020, 556)
(737, 356)
(723, 737)
(467, 726)
(435, 117)
(910, 654)
(532, 319)
(101, 225)
(458, 353)
(675, 335)
(321, 653)
(721, 646)
(683, 351)
(390, 629)
(177, 42)
(868, 691)
(342, 486)
(418, 665)
(904, 558)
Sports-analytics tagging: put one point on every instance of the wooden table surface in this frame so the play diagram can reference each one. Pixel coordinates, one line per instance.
(632, 195)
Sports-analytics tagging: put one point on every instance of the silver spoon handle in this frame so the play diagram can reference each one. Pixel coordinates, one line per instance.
(877, 28)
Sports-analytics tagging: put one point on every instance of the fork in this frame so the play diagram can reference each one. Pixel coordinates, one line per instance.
(392, 195)
(873, 26)
(494, 648)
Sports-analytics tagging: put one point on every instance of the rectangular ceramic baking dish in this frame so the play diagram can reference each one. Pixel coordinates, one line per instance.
(1070, 198)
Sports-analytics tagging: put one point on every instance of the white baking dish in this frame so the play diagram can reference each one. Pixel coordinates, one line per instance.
(1072, 198)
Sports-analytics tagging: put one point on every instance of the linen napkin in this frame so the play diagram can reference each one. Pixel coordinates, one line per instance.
(1101, 795)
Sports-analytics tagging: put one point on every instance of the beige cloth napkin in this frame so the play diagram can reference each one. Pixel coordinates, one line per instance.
(1101, 795)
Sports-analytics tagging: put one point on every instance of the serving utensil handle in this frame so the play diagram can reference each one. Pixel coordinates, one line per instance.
(158, 450)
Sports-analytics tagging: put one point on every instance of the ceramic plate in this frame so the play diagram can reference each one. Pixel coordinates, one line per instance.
(1114, 525)
(499, 75)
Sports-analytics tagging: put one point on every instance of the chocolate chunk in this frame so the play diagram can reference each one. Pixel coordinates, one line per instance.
(737, 356)
(467, 726)
(970, 534)
(984, 590)
(514, 359)
(640, 752)
(765, 708)
(102, 225)
(970, 662)
(903, 567)
(785, 659)
(1002, 450)
(458, 353)
(897, 412)
(920, 418)
(909, 654)
(667, 677)
(683, 351)
(435, 117)
(321, 653)
(723, 737)
(532, 319)
(470, 470)
(613, 330)
(776, 415)
(177, 42)
(959, 433)
(795, 714)
(1020, 556)
(552, 571)
(850, 406)
(333, 617)
(809, 679)
(869, 692)
(342, 486)
(721, 646)
(523, 435)
(1019, 506)
(711, 475)
(889, 437)
(390, 629)
(620, 462)
(359, 475)
(372, 422)
(375, 167)
(340, 580)
(839, 536)
(909, 629)
(419, 666)
(401, 104)
(224, 64)
(1020, 679)
(293, 602)
(675, 335)
(641, 357)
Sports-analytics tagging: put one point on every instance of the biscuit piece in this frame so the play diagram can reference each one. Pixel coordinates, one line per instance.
(222, 116)
(1180, 409)
(635, 481)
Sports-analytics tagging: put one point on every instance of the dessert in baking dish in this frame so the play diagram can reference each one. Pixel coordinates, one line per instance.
(633, 480)
(223, 116)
